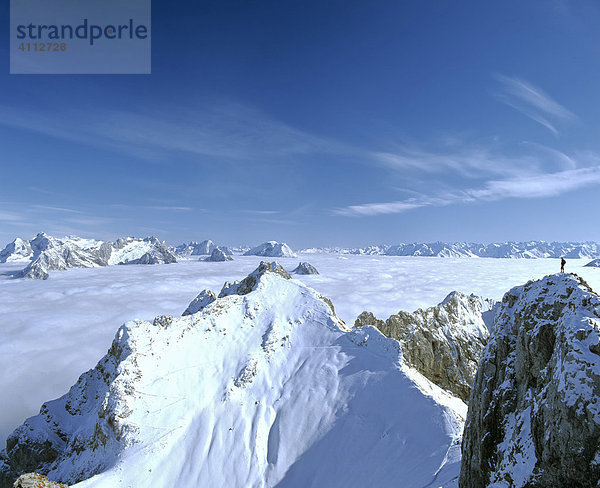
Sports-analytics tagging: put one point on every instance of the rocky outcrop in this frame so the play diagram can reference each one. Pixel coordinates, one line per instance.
(272, 249)
(34, 480)
(256, 388)
(444, 343)
(534, 411)
(218, 256)
(594, 264)
(305, 269)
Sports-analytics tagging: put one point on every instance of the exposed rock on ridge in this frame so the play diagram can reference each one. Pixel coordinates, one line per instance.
(444, 343)
(34, 480)
(534, 414)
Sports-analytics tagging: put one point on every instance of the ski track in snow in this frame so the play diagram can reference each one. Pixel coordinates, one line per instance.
(54, 330)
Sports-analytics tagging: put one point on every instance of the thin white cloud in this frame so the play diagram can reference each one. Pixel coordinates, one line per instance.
(169, 208)
(259, 212)
(533, 102)
(538, 186)
(229, 131)
(56, 209)
(381, 208)
(10, 217)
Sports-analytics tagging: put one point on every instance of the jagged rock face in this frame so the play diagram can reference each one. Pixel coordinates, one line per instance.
(34, 480)
(252, 390)
(444, 343)
(272, 249)
(534, 411)
(16, 251)
(305, 269)
(594, 264)
(218, 255)
(204, 298)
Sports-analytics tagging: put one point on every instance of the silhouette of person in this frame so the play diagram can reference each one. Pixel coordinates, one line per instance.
(562, 265)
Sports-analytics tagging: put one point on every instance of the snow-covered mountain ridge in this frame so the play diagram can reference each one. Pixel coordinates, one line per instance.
(534, 414)
(45, 253)
(263, 386)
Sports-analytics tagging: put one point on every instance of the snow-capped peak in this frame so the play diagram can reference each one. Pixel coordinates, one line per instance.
(272, 249)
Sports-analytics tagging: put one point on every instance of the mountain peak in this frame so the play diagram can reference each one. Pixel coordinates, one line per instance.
(250, 282)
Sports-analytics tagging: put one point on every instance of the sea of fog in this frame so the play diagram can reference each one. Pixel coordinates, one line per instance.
(54, 330)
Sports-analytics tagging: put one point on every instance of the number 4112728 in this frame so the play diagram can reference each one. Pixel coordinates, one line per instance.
(42, 46)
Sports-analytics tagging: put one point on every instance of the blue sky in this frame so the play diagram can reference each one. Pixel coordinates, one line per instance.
(319, 123)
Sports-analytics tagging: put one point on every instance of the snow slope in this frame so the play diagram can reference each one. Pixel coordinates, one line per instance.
(268, 388)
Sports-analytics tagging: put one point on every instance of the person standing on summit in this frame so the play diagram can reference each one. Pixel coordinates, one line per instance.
(562, 264)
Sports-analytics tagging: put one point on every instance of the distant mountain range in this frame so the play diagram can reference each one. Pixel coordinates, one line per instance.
(528, 249)
(45, 253)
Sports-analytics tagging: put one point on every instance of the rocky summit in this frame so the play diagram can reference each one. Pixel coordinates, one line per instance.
(444, 343)
(534, 411)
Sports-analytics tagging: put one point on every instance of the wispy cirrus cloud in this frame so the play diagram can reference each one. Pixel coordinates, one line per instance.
(534, 186)
(10, 217)
(532, 102)
(470, 162)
